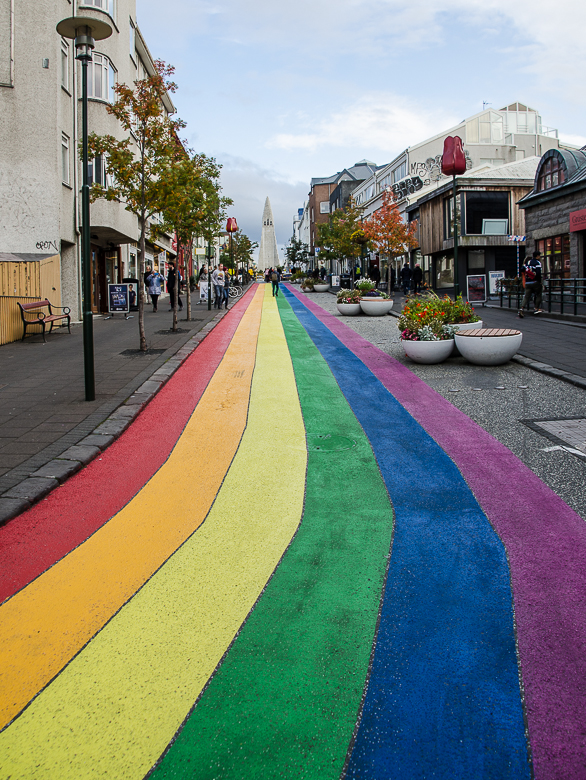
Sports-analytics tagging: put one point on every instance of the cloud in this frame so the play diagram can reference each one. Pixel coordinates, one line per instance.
(249, 184)
(378, 121)
(577, 140)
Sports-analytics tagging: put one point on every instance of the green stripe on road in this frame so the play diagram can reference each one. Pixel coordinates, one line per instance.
(285, 700)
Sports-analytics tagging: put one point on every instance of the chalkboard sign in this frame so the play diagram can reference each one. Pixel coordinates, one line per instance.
(476, 288)
(118, 298)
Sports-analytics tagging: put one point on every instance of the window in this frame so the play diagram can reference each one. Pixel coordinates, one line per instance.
(324, 207)
(556, 256)
(481, 206)
(449, 216)
(400, 172)
(101, 78)
(64, 158)
(552, 173)
(485, 129)
(97, 173)
(476, 260)
(64, 63)
(105, 5)
(444, 272)
(132, 39)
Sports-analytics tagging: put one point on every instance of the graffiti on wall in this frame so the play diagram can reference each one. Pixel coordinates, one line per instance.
(431, 170)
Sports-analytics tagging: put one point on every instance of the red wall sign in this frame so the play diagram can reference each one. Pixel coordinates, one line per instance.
(577, 220)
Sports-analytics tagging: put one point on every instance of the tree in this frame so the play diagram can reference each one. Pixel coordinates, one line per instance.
(192, 206)
(243, 248)
(141, 164)
(387, 232)
(296, 252)
(335, 237)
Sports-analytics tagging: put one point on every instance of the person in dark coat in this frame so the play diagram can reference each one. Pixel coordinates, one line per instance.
(375, 274)
(417, 278)
(393, 278)
(406, 278)
(171, 286)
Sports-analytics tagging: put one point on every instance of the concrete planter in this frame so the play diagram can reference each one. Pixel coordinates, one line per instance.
(465, 326)
(488, 350)
(428, 351)
(349, 309)
(307, 289)
(321, 287)
(376, 307)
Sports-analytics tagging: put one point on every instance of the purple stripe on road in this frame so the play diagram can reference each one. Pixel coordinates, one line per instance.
(546, 545)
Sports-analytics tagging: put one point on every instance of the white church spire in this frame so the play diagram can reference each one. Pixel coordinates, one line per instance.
(268, 256)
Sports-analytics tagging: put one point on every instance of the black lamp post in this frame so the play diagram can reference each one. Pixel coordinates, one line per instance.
(85, 31)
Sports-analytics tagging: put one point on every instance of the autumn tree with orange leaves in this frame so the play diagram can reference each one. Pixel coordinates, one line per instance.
(386, 231)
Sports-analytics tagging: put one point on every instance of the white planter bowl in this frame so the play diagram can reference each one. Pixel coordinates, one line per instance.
(376, 307)
(321, 287)
(428, 351)
(488, 350)
(349, 309)
(468, 325)
(307, 289)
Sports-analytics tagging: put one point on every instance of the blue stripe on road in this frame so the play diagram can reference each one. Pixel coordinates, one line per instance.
(443, 697)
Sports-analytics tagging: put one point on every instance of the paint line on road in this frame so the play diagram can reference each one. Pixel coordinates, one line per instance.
(114, 708)
(46, 624)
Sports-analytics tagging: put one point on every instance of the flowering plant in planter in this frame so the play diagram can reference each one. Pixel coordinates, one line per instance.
(307, 283)
(422, 310)
(433, 331)
(348, 296)
(365, 285)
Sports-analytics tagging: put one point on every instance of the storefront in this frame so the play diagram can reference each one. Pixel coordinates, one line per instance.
(555, 213)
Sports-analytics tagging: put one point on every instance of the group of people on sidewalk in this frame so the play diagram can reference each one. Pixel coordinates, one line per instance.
(221, 284)
(411, 280)
(154, 283)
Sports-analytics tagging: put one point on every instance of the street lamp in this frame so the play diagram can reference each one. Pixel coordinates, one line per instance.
(85, 31)
(232, 227)
(454, 164)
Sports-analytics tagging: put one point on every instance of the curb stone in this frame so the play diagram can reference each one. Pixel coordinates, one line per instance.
(36, 485)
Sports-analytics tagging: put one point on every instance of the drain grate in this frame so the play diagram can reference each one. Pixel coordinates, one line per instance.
(327, 442)
(171, 332)
(565, 431)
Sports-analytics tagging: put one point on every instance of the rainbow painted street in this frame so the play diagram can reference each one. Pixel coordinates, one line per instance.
(309, 573)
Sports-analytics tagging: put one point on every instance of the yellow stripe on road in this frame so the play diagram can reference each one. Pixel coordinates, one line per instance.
(43, 626)
(113, 710)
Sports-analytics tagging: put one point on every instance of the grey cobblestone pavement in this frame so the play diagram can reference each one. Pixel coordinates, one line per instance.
(504, 400)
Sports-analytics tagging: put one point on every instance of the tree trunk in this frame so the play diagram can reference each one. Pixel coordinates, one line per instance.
(142, 335)
(189, 273)
(176, 287)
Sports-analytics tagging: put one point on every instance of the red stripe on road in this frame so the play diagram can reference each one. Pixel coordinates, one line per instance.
(37, 539)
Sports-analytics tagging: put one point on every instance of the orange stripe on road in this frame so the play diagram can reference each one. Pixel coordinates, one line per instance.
(43, 626)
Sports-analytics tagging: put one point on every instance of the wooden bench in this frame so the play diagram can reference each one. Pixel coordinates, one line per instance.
(479, 332)
(42, 318)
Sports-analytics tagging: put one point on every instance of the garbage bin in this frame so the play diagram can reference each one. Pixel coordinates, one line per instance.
(346, 281)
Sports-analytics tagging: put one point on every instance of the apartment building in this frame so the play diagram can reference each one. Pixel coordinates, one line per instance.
(40, 130)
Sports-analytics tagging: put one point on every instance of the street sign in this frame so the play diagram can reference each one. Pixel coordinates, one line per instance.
(118, 298)
(476, 288)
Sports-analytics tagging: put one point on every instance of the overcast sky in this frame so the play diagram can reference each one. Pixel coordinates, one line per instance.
(280, 91)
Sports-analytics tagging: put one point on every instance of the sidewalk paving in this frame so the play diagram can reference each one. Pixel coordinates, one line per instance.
(43, 411)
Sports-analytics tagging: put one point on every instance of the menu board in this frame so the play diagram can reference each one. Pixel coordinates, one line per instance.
(118, 298)
(476, 285)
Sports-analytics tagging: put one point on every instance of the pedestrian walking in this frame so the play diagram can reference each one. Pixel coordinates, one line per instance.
(532, 278)
(154, 282)
(406, 278)
(268, 273)
(417, 278)
(226, 290)
(275, 279)
(375, 274)
(203, 285)
(171, 286)
(218, 281)
(393, 279)
(147, 272)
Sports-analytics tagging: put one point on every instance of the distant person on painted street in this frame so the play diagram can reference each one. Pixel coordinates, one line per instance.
(406, 278)
(275, 279)
(171, 286)
(219, 287)
(203, 285)
(532, 275)
(226, 290)
(417, 278)
(154, 282)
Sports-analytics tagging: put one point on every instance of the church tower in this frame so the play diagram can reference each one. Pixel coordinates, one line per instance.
(268, 256)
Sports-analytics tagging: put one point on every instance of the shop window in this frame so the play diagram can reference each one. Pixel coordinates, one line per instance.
(475, 260)
(555, 256)
(481, 206)
(444, 272)
(551, 174)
